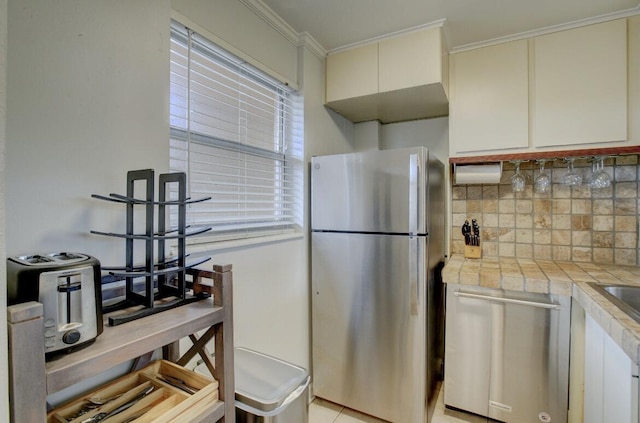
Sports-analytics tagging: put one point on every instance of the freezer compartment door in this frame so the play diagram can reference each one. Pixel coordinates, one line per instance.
(377, 191)
(368, 316)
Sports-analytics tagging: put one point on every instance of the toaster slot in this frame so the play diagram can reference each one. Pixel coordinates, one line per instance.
(69, 299)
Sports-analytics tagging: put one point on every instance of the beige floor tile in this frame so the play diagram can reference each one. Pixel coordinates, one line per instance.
(351, 416)
(321, 411)
(444, 415)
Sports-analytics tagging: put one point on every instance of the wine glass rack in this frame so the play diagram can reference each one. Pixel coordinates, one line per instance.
(165, 284)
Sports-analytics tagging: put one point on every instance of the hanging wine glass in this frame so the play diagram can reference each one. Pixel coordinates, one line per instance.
(600, 178)
(542, 182)
(518, 180)
(594, 169)
(571, 178)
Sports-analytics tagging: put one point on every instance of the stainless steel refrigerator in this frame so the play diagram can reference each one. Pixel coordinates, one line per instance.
(377, 245)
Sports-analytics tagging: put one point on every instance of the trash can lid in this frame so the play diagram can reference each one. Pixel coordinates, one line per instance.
(264, 382)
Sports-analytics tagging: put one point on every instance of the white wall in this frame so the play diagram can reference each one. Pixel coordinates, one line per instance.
(87, 100)
(325, 131)
(430, 133)
(4, 393)
(270, 289)
(235, 26)
(367, 135)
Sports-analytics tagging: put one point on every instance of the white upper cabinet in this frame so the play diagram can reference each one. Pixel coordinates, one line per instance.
(580, 86)
(490, 98)
(411, 60)
(396, 79)
(354, 73)
(569, 90)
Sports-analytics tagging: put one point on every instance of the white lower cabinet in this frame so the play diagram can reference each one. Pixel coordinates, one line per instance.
(610, 379)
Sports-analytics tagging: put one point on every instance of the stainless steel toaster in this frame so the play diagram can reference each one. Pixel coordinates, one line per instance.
(68, 286)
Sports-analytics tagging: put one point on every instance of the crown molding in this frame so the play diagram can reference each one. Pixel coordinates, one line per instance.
(549, 29)
(435, 24)
(276, 22)
(270, 17)
(306, 40)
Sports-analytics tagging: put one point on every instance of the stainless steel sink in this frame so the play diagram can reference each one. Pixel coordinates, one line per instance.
(626, 297)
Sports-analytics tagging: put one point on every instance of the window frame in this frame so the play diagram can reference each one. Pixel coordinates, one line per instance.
(286, 219)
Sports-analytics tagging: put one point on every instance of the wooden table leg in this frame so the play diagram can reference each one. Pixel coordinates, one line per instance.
(27, 373)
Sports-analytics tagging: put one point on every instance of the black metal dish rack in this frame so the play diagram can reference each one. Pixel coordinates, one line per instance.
(165, 284)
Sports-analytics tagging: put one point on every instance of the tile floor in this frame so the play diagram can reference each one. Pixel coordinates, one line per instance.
(321, 411)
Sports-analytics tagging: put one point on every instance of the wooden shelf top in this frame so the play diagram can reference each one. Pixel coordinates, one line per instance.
(125, 342)
(610, 151)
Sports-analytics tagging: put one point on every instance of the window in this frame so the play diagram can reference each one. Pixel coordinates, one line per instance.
(234, 132)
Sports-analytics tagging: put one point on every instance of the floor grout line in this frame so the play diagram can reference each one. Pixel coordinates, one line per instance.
(440, 415)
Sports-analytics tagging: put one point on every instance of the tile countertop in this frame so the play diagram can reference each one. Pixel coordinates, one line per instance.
(561, 278)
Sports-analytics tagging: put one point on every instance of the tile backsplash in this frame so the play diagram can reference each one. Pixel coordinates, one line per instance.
(577, 224)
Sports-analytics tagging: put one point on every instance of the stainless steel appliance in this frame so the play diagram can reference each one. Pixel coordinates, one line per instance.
(68, 286)
(507, 354)
(377, 241)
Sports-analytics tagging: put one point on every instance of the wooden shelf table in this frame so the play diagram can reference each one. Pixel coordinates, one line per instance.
(32, 378)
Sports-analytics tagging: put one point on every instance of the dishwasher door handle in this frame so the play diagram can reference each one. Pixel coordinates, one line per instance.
(506, 300)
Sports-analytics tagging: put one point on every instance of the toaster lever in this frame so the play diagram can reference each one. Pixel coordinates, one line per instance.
(70, 288)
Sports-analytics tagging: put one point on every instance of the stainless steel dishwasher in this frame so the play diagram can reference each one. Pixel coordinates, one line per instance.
(507, 354)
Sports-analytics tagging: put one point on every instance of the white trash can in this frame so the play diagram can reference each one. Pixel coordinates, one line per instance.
(269, 390)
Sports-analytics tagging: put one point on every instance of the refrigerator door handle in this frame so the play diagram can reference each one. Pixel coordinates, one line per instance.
(414, 277)
(414, 171)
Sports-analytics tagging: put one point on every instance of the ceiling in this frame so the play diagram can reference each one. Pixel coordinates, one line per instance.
(339, 23)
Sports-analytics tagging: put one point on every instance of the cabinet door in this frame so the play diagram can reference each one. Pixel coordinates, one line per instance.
(352, 73)
(410, 60)
(593, 368)
(580, 86)
(618, 384)
(610, 388)
(489, 107)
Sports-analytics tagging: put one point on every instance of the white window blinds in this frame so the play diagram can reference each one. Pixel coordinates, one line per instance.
(234, 132)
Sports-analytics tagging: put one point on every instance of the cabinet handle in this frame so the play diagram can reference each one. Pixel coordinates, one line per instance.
(506, 300)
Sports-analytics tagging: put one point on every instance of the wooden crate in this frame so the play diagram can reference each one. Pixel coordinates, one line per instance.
(165, 404)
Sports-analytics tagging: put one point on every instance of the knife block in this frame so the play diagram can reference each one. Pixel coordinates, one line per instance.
(472, 251)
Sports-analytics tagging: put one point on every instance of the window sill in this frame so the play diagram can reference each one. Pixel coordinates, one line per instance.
(203, 244)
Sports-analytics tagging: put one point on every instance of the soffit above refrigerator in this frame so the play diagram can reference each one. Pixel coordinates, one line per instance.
(427, 101)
